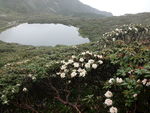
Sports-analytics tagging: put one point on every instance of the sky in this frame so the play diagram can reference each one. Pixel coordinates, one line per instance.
(120, 7)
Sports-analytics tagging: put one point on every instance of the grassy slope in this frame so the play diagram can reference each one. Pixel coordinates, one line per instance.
(89, 27)
(14, 52)
(92, 28)
(39, 56)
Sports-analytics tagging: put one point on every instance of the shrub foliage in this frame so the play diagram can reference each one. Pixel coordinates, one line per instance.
(115, 79)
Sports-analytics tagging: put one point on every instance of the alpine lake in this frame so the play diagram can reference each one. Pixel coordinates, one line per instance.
(43, 35)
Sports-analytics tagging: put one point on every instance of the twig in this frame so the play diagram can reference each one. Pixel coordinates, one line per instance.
(65, 102)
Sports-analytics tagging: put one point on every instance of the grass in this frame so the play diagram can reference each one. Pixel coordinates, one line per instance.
(13, 52)
(93, 28)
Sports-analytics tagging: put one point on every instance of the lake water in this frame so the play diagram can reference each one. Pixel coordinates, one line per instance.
(43, 35)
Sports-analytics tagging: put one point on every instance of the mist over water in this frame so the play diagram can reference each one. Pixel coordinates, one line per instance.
(43, 35)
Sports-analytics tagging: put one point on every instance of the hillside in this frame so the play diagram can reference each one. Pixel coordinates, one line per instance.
(62, 7)
(111, 73)
(76, 79)
(93, 28)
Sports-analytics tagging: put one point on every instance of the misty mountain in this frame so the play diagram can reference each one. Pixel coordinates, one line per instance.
(63, 7)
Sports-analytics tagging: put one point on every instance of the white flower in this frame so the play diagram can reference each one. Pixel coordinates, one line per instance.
(74, 70)
(70, 61)
(136, 29)
(47, 65)
(8, 64)
(66, 70)
(138, 81)
(130, 28)
(81, 60)
(5, 102)
(108, 94)
(119, 80)
(113, 39)
(62, 75)
(94, 66)
(73, 56)
(2, 96)
(113, 110)
(135, 95)
(63, 61)
(146, 29)
(148, 84)
(87, 52)
(144, 81)
(100, 62)
(30, 75)
(66, 63)
(76, 64)
(80, 70)
(83, 73)
(87, 65)
(108, 102)
(63, 67)
(111, 80)
(95, 55)
(58, 73)
(25, 89)
(18, 85)
(91, 61)
(33, 78)
(74, 46)
(125, 32)
(117, 29)
(100, 56)
(13, 90)
(83, 53)
(73, 74)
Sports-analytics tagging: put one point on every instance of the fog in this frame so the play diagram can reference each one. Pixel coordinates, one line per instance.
(120, 7)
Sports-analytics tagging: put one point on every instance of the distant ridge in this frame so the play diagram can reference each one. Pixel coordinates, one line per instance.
(61, 7)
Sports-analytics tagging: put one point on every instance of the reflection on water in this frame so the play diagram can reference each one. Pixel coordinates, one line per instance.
(43, 35)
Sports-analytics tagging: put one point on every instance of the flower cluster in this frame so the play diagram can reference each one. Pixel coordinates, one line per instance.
(24, 89)
(133, 90)
(33, 77)
(134, 31)
(79, 66)
(10, 91)
(17, 63)
(117, 80)
(109, 102)
(146, 82)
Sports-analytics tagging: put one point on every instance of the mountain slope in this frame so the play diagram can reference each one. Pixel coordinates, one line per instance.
(63, 7)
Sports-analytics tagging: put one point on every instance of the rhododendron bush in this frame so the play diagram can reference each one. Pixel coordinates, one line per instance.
(129, 33)
(115, 79)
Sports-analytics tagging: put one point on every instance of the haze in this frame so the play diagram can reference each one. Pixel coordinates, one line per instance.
(120, 7)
